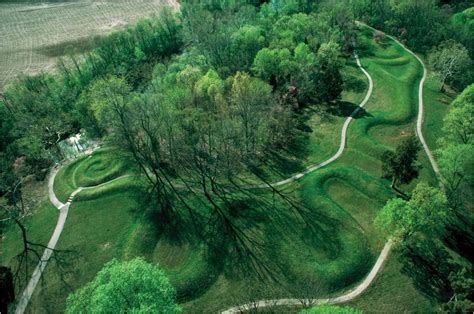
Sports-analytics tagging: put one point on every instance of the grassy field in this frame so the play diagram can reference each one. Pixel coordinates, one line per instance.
(318, 136)
(99, 167)
(35, 33)
(39, 224)
(392, 292)
(332, 239)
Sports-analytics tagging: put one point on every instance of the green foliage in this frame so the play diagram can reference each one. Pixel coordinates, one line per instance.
(466, 98)
(375, 12)
(426, 212)
(401, 166)
(272, 65)
(411, 19)
(134, 286)
(448, 60)
(290, 30)
(458, 124)
(456, 162)
(106, 95)
(251, 101)
(462, 28)
(210, 86)
(456, 154)
(331, 309)
(458, 306)
(245, 43)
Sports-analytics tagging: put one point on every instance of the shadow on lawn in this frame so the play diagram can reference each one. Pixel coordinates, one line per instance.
(345, 109)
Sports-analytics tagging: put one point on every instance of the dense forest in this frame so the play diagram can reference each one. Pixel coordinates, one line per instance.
(199, 99)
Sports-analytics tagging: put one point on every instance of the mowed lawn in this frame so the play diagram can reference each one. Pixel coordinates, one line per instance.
(101, 166)
(39, 224)
(114, 220)
(332, 239)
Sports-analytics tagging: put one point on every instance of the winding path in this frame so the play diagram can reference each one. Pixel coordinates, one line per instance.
(342, 144)
(359, 289)
(63, 211)
(64, 208)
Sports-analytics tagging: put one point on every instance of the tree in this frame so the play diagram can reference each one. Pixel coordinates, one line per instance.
(305, 75)
(462, 26)
(375, 12)
(245, 43)
(272, 65)
(133, 286)
(251, 101)
(458, 124)
(420, 23)
(401, 166)
(456, 154)
(210, 89)
(426, 212)
(456, 162)
(448, 60)
(462, 283)
(329, 82)
(290, 30)
(106, 96)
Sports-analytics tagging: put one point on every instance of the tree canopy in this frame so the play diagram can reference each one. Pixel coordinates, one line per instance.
(122, 287)
(425, 212)
(400, 166)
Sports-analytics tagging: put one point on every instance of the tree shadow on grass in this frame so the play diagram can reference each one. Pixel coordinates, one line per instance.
(427, 264)
(284, 166)
(345, 109)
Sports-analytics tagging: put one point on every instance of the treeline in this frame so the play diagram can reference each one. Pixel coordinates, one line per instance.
(210, 117)
(443, 30)
(36, 112)
(197, 99)
(433, 228)
(284, 44)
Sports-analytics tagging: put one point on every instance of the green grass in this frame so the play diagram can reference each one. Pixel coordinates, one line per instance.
(392, 292)
(40, 226)
(332, 239)
(112, 221)
(319, 137)
(101, 166)
(437, 106)
(95, 231)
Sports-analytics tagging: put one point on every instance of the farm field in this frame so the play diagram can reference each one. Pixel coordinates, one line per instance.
(33, 34)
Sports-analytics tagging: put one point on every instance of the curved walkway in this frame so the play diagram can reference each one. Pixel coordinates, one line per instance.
(342, 144)
(63, 211)
(359, 289)
(340, 299)
(420, 118)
